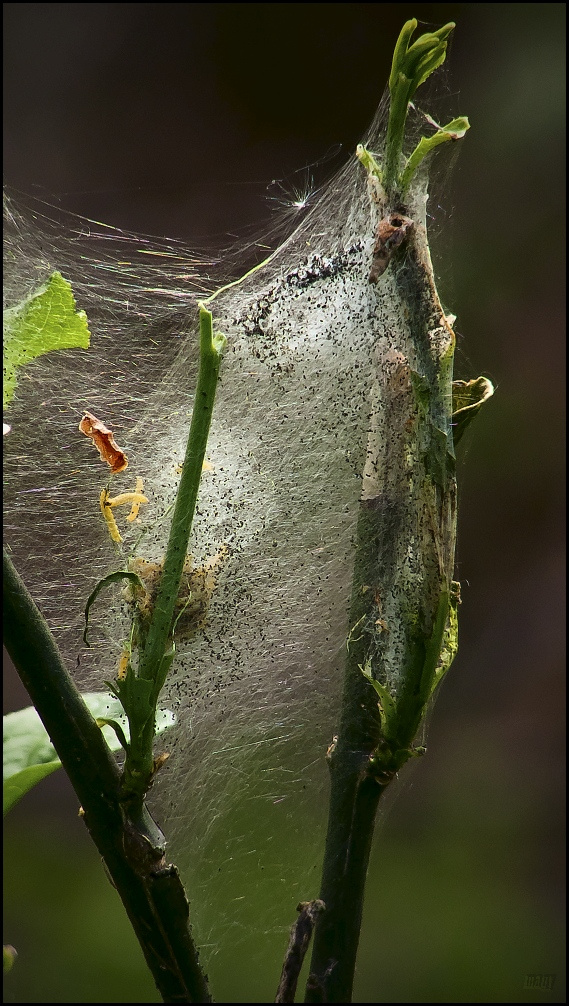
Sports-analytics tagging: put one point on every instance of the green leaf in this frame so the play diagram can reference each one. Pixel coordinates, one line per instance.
(434, 656)
(46, 320)
(454, 130)
(102, 721)
(121, 574)
(165, 665)
(29, 755)
(368, 161)
(138, 700)
(9, 958)
(22, 782)
(387, 705)
(412, 65)
(400, 52)
(449, 646)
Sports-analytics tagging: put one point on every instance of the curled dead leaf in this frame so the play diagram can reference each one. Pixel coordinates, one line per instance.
(104, 441)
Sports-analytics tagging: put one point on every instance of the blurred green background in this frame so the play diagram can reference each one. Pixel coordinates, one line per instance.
(174, 119)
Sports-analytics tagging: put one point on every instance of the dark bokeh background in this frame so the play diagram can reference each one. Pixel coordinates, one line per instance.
(173, 119)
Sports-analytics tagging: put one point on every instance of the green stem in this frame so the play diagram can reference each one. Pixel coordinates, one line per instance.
(150, 889)
(354, 796)
(400, 599)
(139, 764)
(73, 731)
(160, 626)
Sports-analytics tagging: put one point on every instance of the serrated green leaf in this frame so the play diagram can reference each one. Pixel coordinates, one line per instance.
(29, 755)
(45, 321)
(428, 64)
